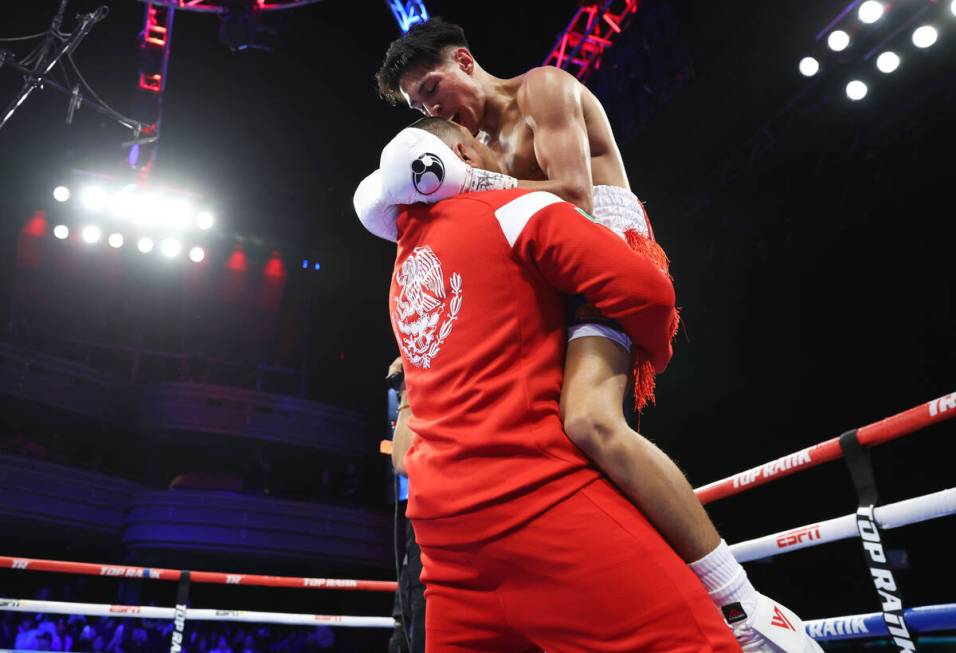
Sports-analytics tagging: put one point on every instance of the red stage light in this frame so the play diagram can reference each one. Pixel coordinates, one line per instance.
(275, 267)
(36, 225)
(237, 260)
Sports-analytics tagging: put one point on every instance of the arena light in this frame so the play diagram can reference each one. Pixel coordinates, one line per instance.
(887, 62)
(116, 240)
(122, 204)
(871, 11)
(952, 8)
(274, 266)
(856, 90)
(171, 247)
(204, 220)
(809, 66)
(197, 254)
(145, 245)
(925, 36)
(91, 234)
(61, 193)
(838, 40)
(94, 198)
(61, 231)
(148, 209)
(179, 214)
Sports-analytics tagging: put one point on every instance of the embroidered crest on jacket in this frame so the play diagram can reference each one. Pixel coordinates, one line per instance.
(424, 314)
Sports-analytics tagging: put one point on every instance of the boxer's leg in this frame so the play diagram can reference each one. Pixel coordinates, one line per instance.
(592, 400)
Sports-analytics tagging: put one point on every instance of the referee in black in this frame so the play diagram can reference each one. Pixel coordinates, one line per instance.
(409, 607)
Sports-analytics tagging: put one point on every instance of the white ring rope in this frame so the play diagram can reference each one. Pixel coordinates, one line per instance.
(193, 614)
(893, 515)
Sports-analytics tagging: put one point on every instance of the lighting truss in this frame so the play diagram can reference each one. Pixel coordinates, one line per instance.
(592, 30)
(37, 68)
(408, 12)
(222, 6)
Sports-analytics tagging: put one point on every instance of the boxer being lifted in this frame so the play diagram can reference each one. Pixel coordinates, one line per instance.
(546, 131)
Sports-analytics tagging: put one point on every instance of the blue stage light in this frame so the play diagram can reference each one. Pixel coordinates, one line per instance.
(408, 13)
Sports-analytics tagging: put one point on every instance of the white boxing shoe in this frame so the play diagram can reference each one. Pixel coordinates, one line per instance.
(765, 626)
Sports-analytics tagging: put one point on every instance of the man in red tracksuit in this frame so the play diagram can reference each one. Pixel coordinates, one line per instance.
(525, 545)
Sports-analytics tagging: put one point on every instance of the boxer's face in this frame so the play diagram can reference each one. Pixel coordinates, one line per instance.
(447, 90)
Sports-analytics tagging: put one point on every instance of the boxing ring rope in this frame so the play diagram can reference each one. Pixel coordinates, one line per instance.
(192, 614)
(893, 515)
(891, 428)
(214, 577)
(919, 620)
(927, 619)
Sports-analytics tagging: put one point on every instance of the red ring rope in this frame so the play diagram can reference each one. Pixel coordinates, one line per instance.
(891, 428)
(123, 571)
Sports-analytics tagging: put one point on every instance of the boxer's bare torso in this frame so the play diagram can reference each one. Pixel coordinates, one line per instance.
(514, 143)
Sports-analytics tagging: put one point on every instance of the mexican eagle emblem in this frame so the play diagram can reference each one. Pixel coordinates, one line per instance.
(424, 314)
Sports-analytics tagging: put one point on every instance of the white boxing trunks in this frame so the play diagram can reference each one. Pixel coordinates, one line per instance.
(619, 210)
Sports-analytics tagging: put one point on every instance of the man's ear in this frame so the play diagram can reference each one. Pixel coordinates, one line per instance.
(463, 153)
(465, 61)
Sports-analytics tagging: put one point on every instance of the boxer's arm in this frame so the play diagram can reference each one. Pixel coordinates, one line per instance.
(563, 244)
(401, 434)
(402, 437)
(551, 103)
(374, 212)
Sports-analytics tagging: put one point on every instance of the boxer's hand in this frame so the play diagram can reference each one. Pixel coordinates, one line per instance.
(765, 626)
(395, 367)
(374, 212)
(417, 166)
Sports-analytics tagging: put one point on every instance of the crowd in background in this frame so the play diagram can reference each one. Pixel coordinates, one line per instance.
(50, 632)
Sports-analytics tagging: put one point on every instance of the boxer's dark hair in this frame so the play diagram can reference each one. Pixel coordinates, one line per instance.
(440, 127)
(423, 45)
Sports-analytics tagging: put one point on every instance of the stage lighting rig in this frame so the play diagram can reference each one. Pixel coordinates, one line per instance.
(239, 27)
(219, 6)
(37, 67)
(873, 39)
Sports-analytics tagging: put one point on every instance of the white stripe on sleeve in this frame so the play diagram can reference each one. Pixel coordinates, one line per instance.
(514, 215)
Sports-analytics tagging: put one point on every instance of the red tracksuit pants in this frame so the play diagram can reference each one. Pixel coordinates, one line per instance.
(590, 575)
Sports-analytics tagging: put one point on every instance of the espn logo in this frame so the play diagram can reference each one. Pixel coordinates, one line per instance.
(799, 536)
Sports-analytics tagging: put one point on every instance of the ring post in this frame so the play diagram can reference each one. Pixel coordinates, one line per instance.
(887, 586)
(179, 619)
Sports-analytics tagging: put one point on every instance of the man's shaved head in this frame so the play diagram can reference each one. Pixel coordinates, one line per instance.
(446, 130)
(460, 140)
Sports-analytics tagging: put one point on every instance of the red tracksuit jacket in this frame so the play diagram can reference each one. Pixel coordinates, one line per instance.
(477, 306)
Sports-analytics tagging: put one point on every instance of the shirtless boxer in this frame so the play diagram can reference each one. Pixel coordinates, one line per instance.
(545, 131)
(525, 546)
